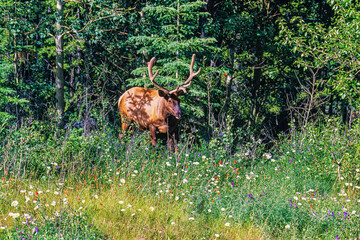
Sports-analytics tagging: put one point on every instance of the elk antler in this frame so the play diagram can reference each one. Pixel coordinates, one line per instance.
(180, 88)
(188, 81)
(152, 77)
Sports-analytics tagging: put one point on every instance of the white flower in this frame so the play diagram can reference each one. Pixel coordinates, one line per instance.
(203, 157)
(129, 206)
(230, 216)
(121, 202)
(30, 193)
(272, 160)
(83, 201)
(185, 180)
(168, 164)
(196, 163)
(299, 203)
(135, 171)
(152, 209)
(122, 180)
(177, 198)
(14, 203)
(22, 191)
(353, 212)
(53, 203)
(217, 235)
(122, 210)
(222, 209)
(96, 196)
(296, 198)
(287, 226)
(209, 210)
(56, 193)
(172, 223)
(227, 224)
(191, 218)
(175, 174)
(26, 215)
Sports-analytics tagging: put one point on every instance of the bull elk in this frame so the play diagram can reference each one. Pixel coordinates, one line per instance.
(156, 110)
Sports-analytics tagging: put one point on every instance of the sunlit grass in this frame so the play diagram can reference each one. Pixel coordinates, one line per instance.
(98, 187)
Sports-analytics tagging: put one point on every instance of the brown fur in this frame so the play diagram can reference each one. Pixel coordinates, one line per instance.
(149, 109)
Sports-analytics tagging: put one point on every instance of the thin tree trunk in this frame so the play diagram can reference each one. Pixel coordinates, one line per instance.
(59, 82)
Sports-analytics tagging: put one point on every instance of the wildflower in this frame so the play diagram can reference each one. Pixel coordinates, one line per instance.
(230, 216)
(267, 155)
(26, 215)
(14, 203)
(196, 163)
(168, 164)
(227, 224)
(135, 171)
(56, 193)
(121, 202)
(217, 235)
(209, 210)
(122, 210)
(129, 206)
(272, 160)
(287, 226)
(177, 198)
(30, 193)
(152, 209)
(222, 209)
(203, 157)
(191, 218)
(185, 180)
(53, 203)
(96, 196)
(15, 215)
(133, 214)
(22, 191)
(172, 223)
(122, 180)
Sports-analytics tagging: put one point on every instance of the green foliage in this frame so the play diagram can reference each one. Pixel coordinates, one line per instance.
(305, 183)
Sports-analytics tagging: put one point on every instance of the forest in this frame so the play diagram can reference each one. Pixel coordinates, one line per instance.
(267, 146)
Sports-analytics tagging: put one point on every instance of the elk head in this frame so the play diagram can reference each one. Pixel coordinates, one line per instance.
(171, 98)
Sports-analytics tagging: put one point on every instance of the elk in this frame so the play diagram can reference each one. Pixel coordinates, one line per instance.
(152, 109)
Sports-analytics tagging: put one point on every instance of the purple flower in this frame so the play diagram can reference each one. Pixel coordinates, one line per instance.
(36, 229)
(327, 230)
(233, 184)
(264, 192)
(290, 160)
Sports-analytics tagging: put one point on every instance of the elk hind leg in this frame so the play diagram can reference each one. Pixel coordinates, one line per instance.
(125, 123)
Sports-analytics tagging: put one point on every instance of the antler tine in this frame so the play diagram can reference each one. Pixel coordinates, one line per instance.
(152, 77)
(188, 81)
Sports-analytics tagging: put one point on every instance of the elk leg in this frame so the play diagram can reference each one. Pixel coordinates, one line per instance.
(124, 127)
(153, 135)
(171, 142)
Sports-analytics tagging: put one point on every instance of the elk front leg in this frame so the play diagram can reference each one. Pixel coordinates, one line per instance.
(153, 135)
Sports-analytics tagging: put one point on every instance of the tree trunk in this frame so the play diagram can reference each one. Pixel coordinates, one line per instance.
(59, 81)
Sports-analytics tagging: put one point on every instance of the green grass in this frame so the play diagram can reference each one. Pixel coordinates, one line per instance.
(308, 188)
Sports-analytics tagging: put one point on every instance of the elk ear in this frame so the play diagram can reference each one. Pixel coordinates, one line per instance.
(163, 94)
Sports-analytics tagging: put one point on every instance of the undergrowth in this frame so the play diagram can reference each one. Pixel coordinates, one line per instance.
(96, 186)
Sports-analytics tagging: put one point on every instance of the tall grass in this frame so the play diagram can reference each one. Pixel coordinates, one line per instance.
(98, 187)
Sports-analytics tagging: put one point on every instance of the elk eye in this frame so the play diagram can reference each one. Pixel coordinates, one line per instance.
(170, 100)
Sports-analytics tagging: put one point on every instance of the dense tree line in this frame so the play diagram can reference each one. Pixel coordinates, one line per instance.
(267, 65)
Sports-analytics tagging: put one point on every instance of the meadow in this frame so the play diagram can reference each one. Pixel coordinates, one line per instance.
(305, 186)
